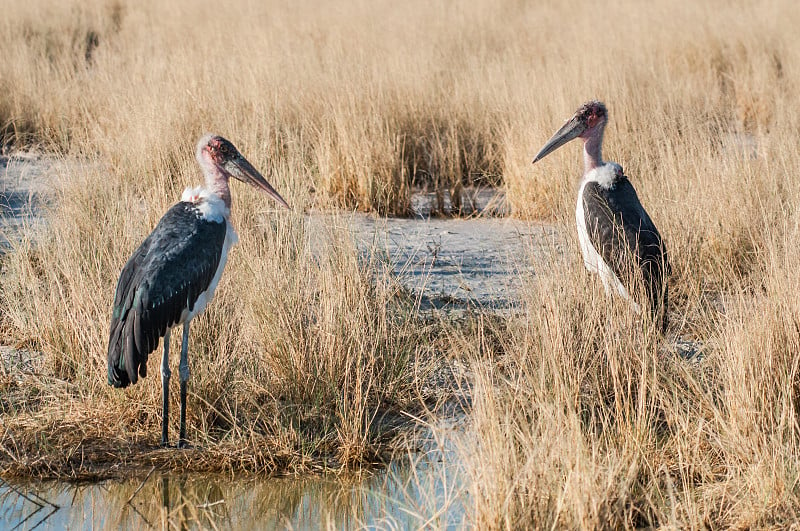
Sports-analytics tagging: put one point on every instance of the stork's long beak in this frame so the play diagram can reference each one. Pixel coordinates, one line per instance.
(572, 129)
(240, 168)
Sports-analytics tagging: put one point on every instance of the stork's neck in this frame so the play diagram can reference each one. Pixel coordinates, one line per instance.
(592, 149)
(217, 184)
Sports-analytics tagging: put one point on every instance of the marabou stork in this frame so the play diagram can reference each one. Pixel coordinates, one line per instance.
(618, 239)
(171, 277)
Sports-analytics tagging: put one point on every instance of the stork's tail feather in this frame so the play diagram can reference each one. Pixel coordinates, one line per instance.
(124, 366)
(117, 375)
(117, 378)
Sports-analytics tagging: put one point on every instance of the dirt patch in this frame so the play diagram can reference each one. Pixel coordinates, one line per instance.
(477, 263)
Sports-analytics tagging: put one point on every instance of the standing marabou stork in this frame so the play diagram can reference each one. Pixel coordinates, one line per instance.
(171, 277)
(618, 239)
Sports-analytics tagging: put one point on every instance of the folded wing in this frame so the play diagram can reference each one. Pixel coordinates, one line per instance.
(159, 285)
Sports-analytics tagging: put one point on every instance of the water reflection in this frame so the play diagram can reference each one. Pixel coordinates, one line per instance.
(410, 493)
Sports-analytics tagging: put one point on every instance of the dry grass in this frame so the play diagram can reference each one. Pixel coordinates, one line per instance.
(584, 418)
(353, 115)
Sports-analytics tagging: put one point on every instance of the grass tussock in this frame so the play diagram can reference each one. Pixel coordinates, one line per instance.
(581, 416)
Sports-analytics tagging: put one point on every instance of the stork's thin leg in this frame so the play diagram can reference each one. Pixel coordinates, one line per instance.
(183, 370)
(165, 374)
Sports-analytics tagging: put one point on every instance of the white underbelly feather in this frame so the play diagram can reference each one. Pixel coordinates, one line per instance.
(590, 257)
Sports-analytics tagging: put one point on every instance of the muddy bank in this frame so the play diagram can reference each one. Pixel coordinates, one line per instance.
(414, 491)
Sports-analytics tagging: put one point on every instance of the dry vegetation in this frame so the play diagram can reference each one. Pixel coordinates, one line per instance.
(582, 418)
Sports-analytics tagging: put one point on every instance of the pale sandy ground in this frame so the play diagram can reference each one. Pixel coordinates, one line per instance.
(24, 180)
(452, 263)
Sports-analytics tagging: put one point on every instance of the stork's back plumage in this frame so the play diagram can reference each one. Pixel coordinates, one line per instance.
(161, 284)
(625, 237)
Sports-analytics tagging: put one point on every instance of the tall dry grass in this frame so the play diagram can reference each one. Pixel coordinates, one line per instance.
(358, 116)
(582, 417)
(362, 100)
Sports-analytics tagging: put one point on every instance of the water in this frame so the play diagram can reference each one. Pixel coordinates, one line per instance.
(417, 490)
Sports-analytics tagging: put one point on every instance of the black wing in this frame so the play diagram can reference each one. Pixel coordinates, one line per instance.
(627, 240)
(165, 275)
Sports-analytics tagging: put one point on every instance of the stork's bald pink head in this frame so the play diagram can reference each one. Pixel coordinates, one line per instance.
(215, 149)
(587, 123)
(220, 160)
(592, 114)
(215, 152)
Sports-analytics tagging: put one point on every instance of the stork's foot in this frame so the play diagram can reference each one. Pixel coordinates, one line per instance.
(164, 443)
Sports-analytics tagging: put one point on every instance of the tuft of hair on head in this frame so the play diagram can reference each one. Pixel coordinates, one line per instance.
(591, 112)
